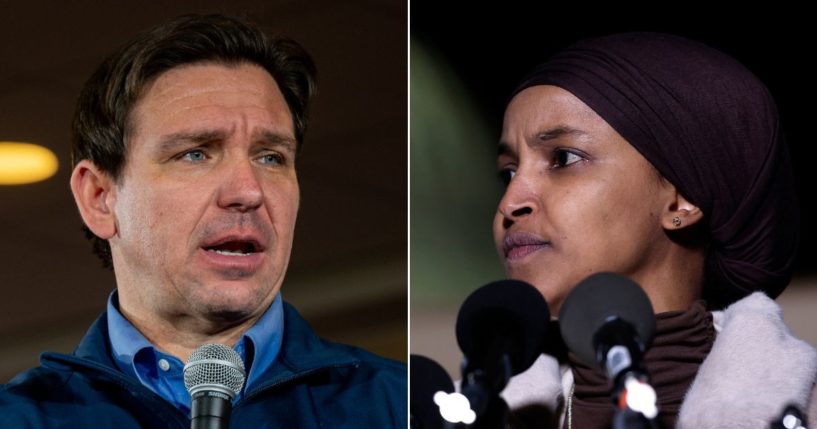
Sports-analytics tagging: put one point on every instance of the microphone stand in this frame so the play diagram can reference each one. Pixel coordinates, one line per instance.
(625, 416)
(634, 399)
(482, 388)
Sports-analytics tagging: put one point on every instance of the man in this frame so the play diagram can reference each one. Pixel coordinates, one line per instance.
(184, 153)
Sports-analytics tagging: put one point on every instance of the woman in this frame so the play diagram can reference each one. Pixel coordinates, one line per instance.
(661, 159)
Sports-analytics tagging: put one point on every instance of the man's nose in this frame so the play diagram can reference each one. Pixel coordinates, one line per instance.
(520, 200)
(240, 189)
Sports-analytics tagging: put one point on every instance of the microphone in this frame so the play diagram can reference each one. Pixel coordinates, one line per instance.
(214, 374)
(501, 331)
(427, 379)
(791, 418)
(608, 320)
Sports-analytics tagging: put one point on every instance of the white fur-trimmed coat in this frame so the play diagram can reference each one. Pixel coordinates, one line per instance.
(755, 368)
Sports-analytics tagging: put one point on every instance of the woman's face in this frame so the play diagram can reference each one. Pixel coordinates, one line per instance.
(579, 198)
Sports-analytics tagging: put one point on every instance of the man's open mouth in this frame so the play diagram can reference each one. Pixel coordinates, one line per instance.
(235, 248)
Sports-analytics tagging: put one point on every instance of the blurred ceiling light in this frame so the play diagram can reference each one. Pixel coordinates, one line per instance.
(22, 163)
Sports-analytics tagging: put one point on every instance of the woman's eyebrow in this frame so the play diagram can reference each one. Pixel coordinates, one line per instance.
(556, 132)
(543, 136)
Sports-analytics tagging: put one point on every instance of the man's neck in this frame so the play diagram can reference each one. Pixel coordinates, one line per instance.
(179, 336)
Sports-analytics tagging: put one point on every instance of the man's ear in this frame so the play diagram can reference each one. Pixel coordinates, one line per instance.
(95, 192)
(680, 213)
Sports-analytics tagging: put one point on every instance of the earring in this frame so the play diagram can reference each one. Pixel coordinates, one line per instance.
(676, 222)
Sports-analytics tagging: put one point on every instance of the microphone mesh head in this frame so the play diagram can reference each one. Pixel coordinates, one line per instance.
(214, 364)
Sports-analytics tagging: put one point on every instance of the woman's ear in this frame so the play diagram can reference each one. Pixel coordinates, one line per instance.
(95, 192)
(681, 213)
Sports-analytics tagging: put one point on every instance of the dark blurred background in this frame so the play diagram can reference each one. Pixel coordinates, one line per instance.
(348, 269)
(465, 61)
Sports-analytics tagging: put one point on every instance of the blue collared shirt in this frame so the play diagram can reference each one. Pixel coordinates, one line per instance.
(162, 373)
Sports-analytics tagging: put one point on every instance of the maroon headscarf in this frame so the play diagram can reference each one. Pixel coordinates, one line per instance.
(711, 128)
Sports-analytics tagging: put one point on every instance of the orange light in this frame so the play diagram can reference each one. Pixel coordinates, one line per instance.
(22, 163)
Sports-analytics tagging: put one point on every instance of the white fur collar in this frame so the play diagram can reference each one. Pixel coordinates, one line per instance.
(756, 367)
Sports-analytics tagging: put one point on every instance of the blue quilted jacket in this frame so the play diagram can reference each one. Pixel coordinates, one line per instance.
(313, 384)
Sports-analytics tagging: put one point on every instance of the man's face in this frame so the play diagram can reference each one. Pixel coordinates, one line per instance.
(581, 199)
(206, 206)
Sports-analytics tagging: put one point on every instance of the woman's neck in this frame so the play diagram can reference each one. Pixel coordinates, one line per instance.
(677, 281)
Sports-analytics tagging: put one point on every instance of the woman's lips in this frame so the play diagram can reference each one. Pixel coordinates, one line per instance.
(521, 244)
(522, 251)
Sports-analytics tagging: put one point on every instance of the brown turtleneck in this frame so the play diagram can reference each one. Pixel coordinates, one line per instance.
(682, 341)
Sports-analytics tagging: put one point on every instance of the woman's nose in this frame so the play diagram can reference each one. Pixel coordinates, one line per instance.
(518, 202)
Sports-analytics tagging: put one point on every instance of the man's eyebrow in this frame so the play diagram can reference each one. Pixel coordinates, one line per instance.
(184, 138)
(543, 136)
(271, 137)
(172, 141)
(503, 148)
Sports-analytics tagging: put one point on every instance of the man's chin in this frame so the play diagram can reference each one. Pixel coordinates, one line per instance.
(228, 315)
(232, 303)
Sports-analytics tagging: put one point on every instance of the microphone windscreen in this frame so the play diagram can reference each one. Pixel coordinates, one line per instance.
(214, 366)
(509, 312)
(593, 302)
(427, 378)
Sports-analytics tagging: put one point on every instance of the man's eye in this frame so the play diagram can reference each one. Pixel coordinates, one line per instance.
(563, 158)
(506, 175)
(195, 155)
(272, 159)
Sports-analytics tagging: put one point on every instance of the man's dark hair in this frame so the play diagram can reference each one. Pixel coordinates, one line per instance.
(102, 121)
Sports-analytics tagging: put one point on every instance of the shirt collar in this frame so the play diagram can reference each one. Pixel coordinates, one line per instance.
(262, 342)
(258, 347)
(126, 340)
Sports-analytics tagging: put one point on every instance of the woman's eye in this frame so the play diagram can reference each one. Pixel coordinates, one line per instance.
(506, 175)
(563, 158)
(195, 155)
